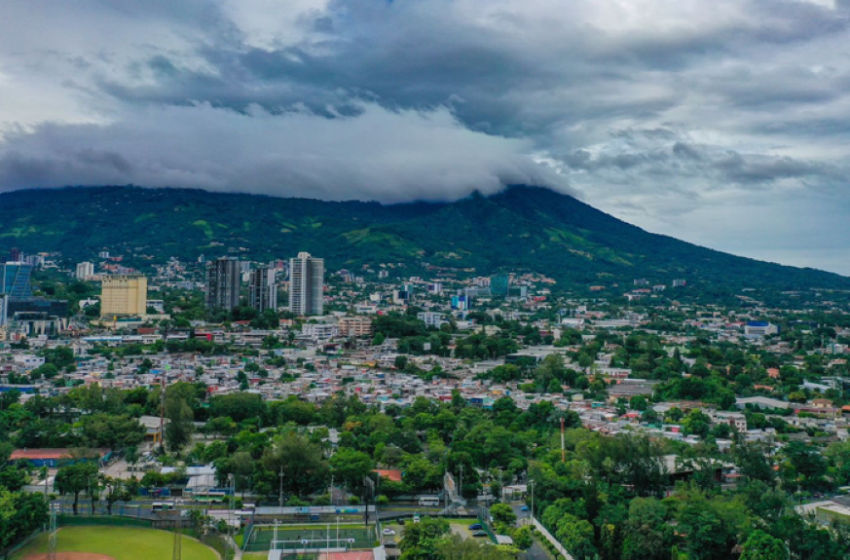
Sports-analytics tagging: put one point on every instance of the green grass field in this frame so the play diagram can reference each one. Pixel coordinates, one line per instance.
(122, 543)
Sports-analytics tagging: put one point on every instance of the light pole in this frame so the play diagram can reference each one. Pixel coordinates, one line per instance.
(280, 499)
(531, 483)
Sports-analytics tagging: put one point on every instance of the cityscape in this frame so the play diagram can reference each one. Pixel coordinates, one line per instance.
(266, 408)
(425, 280)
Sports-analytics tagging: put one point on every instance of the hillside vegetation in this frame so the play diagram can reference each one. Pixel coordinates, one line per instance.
(519, 229)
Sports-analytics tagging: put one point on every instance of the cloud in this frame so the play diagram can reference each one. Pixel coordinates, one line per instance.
(375, 154)
(655, 111)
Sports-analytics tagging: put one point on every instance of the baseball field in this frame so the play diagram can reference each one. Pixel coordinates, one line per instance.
(115, 543)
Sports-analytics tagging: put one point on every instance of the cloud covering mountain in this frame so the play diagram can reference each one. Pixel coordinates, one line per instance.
(724, 123)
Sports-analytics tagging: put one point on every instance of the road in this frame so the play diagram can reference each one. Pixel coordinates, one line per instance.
(537, 550)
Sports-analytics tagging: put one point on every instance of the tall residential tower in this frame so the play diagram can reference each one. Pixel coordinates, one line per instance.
(263, 289)
(223, 282)
(306, 284)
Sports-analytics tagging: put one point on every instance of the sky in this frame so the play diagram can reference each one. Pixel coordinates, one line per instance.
(723, 123)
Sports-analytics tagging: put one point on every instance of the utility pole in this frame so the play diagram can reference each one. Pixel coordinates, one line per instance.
(162, 413)
(531, 483)
(231, 478)
(51, 546)
(280, 499)
(461, 481)
(563, 449)
(177, 553)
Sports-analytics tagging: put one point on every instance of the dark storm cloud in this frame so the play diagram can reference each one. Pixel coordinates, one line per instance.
(652, 108)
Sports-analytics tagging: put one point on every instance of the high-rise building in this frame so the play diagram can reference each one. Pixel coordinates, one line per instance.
(223, 282)
(306, 285)
(15, 280)
(85, 270)
(15, 254)
(124, 295)
(262, 289)
(500, 285)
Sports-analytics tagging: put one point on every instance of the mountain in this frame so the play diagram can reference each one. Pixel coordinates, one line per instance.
(520, 229)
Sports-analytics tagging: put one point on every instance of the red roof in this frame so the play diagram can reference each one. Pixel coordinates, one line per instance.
(46, 453)
(393, 475)
(353, 555)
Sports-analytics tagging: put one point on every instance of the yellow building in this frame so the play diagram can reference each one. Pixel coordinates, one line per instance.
(123, 295)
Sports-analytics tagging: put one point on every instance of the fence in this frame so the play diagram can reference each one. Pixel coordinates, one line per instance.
(9, 553)
(552, 540)
(312, 537)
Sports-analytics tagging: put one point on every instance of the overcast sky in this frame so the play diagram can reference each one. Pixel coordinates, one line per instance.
(722, 122)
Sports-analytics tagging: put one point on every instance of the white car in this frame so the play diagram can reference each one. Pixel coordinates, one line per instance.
(416, 519)
(388, 532)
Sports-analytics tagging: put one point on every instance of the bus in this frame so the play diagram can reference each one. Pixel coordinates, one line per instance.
(429, 501)
(210, 497)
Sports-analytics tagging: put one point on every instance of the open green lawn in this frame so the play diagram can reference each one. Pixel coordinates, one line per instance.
(122, 543)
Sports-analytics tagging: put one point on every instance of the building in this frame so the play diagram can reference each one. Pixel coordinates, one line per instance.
(262, 289)
(500, 285)
(15, 280)
(355, 326)
(124, 295)
(85, 270)
(431, 318)
(319, 331)
(759, 329)
(15, 254)
(306, 285)
(223, 283)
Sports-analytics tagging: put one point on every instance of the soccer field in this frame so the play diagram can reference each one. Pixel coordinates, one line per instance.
(121, 543)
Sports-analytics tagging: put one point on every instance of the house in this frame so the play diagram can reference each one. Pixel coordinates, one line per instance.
(153, 429)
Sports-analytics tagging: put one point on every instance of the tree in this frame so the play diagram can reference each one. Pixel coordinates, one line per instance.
(114, 490)
(577, 536)
(503, 514)
(421, 541)
(523, 537)
(455, 547)
(76, 478)
(302, 463)
(646, 533)
(350, 467)
(179, 400)
(115, 432)
(761, 546)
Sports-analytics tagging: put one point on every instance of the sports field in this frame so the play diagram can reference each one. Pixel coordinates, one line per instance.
(292, 537)
(119, 543)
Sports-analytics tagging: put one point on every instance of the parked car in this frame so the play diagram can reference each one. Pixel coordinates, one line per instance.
(401, 521)
(390, 544)
(475, 527)
(479, 534)
(524, 508)
(416, 519)
(388, 532)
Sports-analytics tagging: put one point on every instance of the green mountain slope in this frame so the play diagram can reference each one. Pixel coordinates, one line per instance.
(519, 229)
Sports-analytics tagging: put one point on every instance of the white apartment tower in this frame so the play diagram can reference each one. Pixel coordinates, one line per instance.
(85, 270)
(306, 284)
